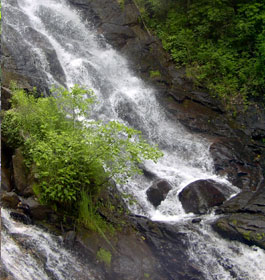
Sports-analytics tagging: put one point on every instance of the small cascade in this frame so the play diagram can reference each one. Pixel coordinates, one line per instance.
(86, 59)
(30, 253)
(221, 259)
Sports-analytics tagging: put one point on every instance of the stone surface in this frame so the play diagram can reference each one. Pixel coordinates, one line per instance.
(158, 191)
(9, 199)
(20, 217)
(199, 196)
(20, 62)
(5, 98)
(169, 244)
(37, 210)
(244, 218)
(5, 179)
(247, 228)
(69, 238)
(236, 160)
(20, 171)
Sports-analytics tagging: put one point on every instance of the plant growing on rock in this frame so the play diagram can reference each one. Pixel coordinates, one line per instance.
(68, 156)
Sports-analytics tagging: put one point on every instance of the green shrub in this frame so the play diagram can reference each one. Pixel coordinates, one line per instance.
(220, 43)
(71, 158)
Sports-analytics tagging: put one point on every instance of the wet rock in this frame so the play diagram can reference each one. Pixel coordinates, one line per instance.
(149, 174)
(19, 62)
(118, 35)
(9, 199)
(131, 257)
(20, 171)
(199, 196)
(247, 228)
(196, 220)
(158, 191)
(170, 245)
(245, 218)
(5, 98)
(4, 273)
(69, 238)
(236, 203)
(252, 119)
(246, 201)
(5, 179)
(22, 176)
(24, 208)
(21, 217)
(37, 210)
(20, 58)
(256, 203)
(40, 41)
(233, 158)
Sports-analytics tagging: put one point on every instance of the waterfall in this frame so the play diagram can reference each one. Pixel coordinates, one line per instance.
(29, 253)
(88, 60)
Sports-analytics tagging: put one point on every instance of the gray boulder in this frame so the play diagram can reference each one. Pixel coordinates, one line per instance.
(199, 196)
(158, 191)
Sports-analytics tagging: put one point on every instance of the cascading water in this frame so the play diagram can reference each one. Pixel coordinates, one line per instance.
(88, 60)
(26, 248)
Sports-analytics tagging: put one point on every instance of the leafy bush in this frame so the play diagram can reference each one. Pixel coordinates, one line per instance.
(71, 158)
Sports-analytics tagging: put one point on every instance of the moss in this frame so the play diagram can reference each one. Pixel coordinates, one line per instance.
(154, 73)
(147, 275)
(221, 226)
(260, 236)
(247, 235)
(121, 3)
(104, 256)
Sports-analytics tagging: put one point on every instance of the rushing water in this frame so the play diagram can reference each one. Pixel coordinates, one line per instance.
(29, 253)
(88, 60)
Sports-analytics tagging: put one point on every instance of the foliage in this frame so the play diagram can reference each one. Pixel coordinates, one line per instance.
(154, 73)
(104, 256)
(89, 217)
(221, 43)
(72, 159)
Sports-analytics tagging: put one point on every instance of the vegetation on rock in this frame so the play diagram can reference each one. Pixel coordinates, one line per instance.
(72, 160)
(220, 43)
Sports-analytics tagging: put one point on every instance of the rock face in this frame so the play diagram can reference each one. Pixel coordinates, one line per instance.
(169, 244)
(199, 196)
(37, 211)
(5, 179)
(244, 218)
(238, 162)
(158, 192)
(20, 61)
(9, 199)
(21, 174)
(247, 228)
